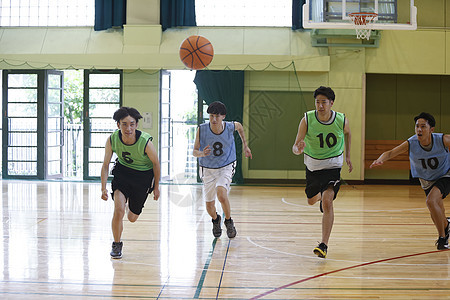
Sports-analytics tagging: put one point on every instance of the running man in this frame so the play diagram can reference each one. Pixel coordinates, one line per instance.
(136, 172)
(216, 150)
(430, 162)
(323, 134)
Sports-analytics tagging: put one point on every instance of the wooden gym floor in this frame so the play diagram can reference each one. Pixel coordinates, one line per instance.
(57, 238)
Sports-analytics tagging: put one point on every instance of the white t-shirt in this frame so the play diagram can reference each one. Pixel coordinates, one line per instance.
(320, 164)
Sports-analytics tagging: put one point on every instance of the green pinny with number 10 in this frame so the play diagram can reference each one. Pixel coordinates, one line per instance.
(324, 140)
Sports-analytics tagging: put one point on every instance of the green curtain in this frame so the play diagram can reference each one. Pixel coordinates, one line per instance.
(109, 13)
(227, 87)
(175, 13)
(297, 14)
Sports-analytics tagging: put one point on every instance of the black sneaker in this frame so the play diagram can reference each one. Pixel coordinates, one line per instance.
(321, 250)
(442, 243)
(447, 229)
(116, 251)
(217, 229)
(231, 230)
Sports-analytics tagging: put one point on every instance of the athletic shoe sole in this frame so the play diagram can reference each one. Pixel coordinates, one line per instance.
(319, 252)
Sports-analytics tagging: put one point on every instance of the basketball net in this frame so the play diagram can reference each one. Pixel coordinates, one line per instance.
(362, 22)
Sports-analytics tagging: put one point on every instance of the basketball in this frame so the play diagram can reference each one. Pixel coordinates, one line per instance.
(196, 52)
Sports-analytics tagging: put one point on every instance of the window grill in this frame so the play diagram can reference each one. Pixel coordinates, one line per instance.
(45, 13)
(244, 13)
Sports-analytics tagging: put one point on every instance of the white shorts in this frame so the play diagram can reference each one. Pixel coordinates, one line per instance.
(212, 178)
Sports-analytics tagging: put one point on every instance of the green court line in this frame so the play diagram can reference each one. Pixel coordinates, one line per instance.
(205, 270)
(162, 289)
(214, 287)
(24, 294)
(223, 269)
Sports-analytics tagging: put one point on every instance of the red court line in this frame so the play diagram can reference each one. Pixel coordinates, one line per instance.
(339, 270)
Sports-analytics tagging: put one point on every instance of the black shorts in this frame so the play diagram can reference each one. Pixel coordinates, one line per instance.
(134, 184)
(319, 181)
(443, 184)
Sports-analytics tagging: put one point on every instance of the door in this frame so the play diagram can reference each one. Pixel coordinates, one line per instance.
(20, 125)
(32, 124)
(102, 97)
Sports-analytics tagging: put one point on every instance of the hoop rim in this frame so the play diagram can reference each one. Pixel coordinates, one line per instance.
(367, 14)
(362, 22)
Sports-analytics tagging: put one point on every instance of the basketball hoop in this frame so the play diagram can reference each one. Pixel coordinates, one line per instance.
(362, 22)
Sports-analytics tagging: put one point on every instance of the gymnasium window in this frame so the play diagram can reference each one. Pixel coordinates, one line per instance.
(46, 13)
(244, 13)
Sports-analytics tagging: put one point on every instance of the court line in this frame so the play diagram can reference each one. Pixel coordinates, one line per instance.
(162, 289)
(291, 254)
(340, 270)
(42, 219)
(225, 287)
(205, 270)
(223, 269)
(343, 210)
(337, 223)
(328, 259)
(76, 296)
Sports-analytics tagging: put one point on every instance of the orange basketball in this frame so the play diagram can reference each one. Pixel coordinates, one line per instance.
(196, 52)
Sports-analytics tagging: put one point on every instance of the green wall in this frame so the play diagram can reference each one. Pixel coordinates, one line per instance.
(274, 117)
(394, 100)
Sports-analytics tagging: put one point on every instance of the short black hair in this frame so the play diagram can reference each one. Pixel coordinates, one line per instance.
(124, 112)
(217, 108)
(430, 119)
(326, 91)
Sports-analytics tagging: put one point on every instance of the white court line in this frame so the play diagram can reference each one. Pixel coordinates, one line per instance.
(302, 276)
(328, 259)
(294, 254)
(384, 239)
(353, 210)
(220, 270)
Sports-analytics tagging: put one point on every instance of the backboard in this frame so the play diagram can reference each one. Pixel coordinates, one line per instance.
(333, 14)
